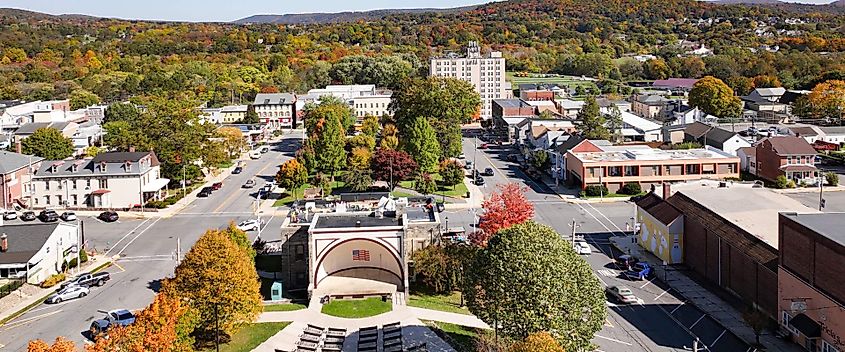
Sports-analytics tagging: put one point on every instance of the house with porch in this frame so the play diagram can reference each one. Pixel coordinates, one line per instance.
(787, 156)
(119, 180)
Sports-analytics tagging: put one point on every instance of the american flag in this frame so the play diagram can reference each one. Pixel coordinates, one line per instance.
(361, 255)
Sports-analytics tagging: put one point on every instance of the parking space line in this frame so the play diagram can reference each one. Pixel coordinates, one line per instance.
(676, 308)
(646, 283)
(138, 235)
(717, 339)
(614, 340)
(118, 266)
(696, 322)
(661, 295)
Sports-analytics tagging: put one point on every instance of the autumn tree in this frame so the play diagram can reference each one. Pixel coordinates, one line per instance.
(440, 265)
(306, 155)
(233, 140)
(528, 279)
(359, 159)
(48, 143)
(425, 184)
(82, 98)
(61, 344)
(389, 137)
(505, 208)
(370, 126)
(592, 123)
(827, 99)
(451, 172)
(714, 97)
(766, 81)
(537, 342)
(217, 279)
(657, 69)
(421, 144)
(292, 175)
(392, 166)
(359, 176)
(362, 141)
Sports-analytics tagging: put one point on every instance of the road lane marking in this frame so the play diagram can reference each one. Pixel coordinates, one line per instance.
(676, 308)
(608, 219)
(31, 319)
(608, 323)
(118, 266)
(138, 235)
(606, 272)
(124, 237)
(614, 340)
(661, 295)
(236, 193)
(717, 339)
(696, 322)
(646, 283)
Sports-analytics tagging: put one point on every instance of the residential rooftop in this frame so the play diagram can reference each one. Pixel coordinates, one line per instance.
(754, 210)
(829, 225)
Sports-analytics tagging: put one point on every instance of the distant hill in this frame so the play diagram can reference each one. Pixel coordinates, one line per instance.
(338, 17)
(748, 2)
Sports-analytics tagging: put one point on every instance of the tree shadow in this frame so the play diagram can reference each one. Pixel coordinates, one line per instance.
(154, 285)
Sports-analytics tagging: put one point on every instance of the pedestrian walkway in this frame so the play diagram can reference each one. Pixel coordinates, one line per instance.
(27, 295)
(703, 299)
(414, 332)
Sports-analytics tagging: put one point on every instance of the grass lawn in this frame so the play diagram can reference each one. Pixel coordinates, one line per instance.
(614, 195)
(461, 338)
(561, 80)
(459, 191)
(357, 308)
(252, 335)
(424, 298)
(283, 307)
(400, 194)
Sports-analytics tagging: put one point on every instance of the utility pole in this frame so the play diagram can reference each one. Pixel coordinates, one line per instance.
(574, 226)
(474, 158)
(821, 193)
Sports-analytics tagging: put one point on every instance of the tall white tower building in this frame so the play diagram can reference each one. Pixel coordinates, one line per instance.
(485, 73)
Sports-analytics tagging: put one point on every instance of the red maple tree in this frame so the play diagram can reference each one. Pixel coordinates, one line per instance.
(503, 209)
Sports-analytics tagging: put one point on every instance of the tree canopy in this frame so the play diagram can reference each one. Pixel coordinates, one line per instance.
(48, 143)
(505, 208)
(714, 97)
(420, 142)
(592, 125)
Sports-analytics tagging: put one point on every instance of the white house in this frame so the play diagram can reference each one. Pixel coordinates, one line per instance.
(276, 110)
(635, 128)
(36, 251)
(569, 108)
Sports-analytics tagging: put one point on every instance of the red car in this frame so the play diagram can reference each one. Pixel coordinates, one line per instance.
(217, 185)
(483, 146)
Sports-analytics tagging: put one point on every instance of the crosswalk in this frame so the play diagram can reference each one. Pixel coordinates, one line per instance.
(607, 272)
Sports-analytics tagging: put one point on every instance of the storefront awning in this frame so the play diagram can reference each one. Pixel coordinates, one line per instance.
(156, 185)
(798, 168)
(808, 327)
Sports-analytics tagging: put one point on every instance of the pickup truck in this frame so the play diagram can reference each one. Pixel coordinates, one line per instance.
(88, 280)
(119, 317)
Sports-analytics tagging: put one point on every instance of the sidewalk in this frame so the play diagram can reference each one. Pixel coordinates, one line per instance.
(476, 198)
(703, 299)
(29, 295)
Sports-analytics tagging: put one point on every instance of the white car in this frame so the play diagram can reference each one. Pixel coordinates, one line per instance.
(249, 225)
(581, 247)
(68, 293)
(255, 154)
(10, 215)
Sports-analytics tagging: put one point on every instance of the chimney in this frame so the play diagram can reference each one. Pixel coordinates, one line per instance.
(667, 190)
(4, 243)
(18, 148)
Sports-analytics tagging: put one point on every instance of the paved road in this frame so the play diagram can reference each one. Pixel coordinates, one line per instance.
(662, 322)
(147, 254)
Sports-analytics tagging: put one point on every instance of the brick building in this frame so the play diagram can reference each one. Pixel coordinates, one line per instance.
(787, 156)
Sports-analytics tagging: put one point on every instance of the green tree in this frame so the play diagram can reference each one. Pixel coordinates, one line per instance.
(425, 97)
(362, 141)
(370, 126)
(82, 98)
(528, 279)
(420, 142)
(437, 263)
(306, 155)
(537, 342)
(358, 180)
(330, 143)
(48, 143)
(540, 159)
(251, 116)
(122, 112)
(217, 279)
(93, 151)
(592, 123)
(832, 178)
(714, 97)
(614, 123)
(292, 175)
(425, 184)
(451, 172)
(120, 135)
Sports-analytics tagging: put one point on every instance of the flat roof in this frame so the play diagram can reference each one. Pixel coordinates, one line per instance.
(344, 220)
(829, 225)
(755, 210)
(644, 153)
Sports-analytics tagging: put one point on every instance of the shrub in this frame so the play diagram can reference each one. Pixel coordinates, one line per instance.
(156, 204)
(72, 263)
(832, 179)
(631, 188)
(53, 280)
(595, 190)
(782, 182)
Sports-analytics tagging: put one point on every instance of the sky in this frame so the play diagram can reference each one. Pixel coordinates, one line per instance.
(215, 10)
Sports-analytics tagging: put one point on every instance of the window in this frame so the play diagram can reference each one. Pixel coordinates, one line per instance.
(299, 252)
(73, 183)
(784, 321)
(88, 183)
(59, 199)
(104, 183)
(47, 200)
(47, 185)
(655, 170)
(73, 199)
(614, 171)
(826, 347)
(632, 171)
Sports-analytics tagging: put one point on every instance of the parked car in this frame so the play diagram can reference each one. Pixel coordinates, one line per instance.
(255, 154)
(216, 186)
(479, 181)
(581, 247)
(10, 215)
(48, 215)
(237, 170)
(462, 156)
(108, 216)
(639, 271)
(622, 294)
(483, 146)
(468, 165)
(249, 183)
(68, 293)
(28, 216)
(626, 261)
(119, 317)
(88, 280)
(488, 171)
(204, 192)
(68, 216)
(249, 225)
(264, 149)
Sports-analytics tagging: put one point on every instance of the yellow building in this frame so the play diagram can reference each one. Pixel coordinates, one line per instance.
(661, 229)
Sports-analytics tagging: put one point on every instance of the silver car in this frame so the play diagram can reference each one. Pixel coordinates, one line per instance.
(68, 293)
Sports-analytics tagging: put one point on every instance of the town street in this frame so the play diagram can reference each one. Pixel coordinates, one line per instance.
(147, 253)
(661, 322)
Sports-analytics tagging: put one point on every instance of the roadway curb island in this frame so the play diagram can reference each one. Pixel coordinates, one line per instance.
(38, 296)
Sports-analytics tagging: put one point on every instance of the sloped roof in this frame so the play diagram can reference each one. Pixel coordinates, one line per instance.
(804, 131)
(697, 129)
(274, 98)
(788, 145)
(29, 128)
(25, 240)
(675, 83)
(10, 162)
(770, 92)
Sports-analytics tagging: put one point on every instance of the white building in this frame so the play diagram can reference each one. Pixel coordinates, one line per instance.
(34, 252)
(635, 128)
(276, 110)
(485, 73)
(364, 99)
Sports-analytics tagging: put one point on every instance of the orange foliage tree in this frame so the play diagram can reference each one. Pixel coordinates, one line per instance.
(503, 209)
(537, 342)
(60, 345)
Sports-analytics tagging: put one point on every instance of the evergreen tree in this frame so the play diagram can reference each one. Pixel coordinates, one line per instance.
(614, 122)
(591, 122)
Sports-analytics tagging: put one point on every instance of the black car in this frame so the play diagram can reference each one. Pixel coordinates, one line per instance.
(479, 181)
(488, 172)
(237, 170)
(48, 216)
(108, 216)
(28, 216)
(626, 261)
(205, 192)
